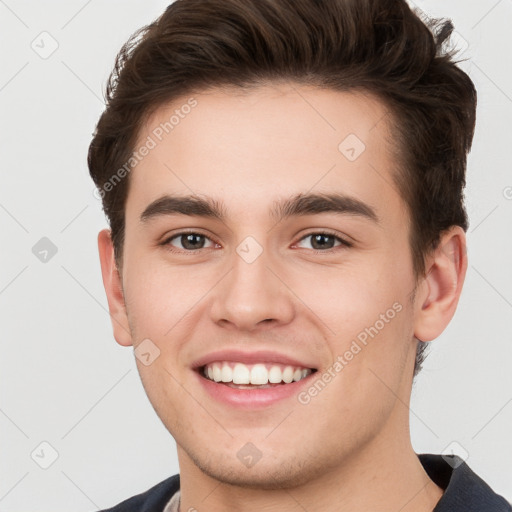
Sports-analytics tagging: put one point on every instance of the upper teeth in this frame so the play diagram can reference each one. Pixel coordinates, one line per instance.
(257, 374)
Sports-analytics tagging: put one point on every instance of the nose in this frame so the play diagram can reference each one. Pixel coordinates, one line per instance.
(252, 295)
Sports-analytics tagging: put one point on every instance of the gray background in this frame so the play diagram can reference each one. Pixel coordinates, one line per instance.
(64, 380)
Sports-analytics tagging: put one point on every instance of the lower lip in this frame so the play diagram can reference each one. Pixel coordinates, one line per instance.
(252, 398)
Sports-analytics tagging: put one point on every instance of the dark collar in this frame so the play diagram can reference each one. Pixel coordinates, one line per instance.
(464, 491)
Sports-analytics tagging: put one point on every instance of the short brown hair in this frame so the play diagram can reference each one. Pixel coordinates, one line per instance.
(377, 46)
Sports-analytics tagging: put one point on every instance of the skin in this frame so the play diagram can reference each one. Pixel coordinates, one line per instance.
(349, 448)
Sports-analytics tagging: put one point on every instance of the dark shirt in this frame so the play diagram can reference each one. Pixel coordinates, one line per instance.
(464, 491)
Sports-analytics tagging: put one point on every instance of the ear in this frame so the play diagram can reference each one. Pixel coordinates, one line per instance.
(440, 289)
(113, 287)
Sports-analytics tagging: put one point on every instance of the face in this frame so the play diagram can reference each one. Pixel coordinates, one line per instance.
(271, 283)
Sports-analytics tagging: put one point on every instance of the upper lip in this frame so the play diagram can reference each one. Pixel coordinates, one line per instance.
(258, 356)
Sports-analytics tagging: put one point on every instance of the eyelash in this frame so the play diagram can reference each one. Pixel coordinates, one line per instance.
(344, 244)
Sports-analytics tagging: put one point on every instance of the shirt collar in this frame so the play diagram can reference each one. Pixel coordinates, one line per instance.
(464, 491)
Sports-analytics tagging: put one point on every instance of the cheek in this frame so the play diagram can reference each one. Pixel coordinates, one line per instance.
(159, 297)
(371, 352)
(367, 319)
(349, 300)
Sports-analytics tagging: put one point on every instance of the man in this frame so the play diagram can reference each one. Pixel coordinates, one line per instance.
(283, 181)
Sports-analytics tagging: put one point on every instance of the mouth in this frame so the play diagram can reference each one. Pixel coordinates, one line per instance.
(238, 375)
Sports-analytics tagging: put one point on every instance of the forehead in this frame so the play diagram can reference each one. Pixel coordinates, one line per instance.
(253, 146)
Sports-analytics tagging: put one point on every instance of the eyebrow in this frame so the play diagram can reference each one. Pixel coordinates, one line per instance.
(298, 205)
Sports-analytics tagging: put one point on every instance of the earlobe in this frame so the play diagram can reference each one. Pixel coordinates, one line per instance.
(442, 285)
(113, 288)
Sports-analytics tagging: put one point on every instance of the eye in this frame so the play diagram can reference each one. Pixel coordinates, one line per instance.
(325, 240)
(188, 240)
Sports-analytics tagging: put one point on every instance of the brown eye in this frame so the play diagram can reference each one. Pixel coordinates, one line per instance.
(325, 241)
(188, 241)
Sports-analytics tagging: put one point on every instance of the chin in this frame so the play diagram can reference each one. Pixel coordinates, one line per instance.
(264, 475)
